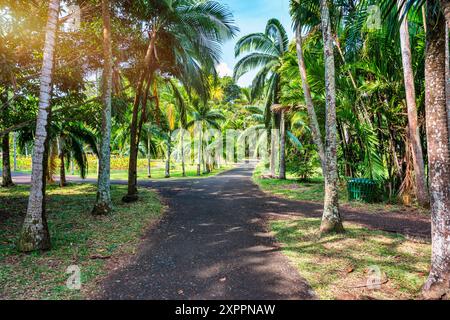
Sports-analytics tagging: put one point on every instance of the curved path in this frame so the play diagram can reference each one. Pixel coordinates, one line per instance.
(212, 244)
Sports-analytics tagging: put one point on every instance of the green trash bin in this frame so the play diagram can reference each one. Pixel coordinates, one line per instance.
(361, 189)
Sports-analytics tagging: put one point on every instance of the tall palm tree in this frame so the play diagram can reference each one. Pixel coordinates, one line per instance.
(192, 30)
(6, 163)
(438, 146)
(203, 117)
(171, 119)
(331, 218)
(414, 130)
(265, 52)
(302, 12)
(438, 152)
(103, 204)
(34, 234)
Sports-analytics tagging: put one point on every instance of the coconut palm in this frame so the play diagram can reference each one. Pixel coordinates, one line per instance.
(203, 117)
(103, 204)
(34, 234)
(331, 218)
(264, 51)
(192, 31)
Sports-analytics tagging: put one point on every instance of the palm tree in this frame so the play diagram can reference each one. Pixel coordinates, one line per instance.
(438, 146)
(438, 152)
(152, 132)
(171, 119)
(6, 163)
(103, 204)
(303, 12)
(203, 117)
(34, 234)
(265, 51)
(331, 219)
(414, 134)
(192, 32)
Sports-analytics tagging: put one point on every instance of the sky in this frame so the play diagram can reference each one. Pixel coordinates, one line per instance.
(251, 16)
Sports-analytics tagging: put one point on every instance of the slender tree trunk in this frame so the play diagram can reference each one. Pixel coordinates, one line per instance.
(200, 143)
(6, 170)
(72, 165)
(437, 285)
(132, 166)
(15, 151)
(282, 147)
(331, 219)
(169, 151)
(273, 153)
(34, 234)
(414, 130)
(62, 167)
(313, 123)
(149, 156)
(183, 167)
(103, 204)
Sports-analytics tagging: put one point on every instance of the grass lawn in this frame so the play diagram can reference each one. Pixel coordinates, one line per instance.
(339, 266)
(95, 244)
(313, 190)
(158, 172)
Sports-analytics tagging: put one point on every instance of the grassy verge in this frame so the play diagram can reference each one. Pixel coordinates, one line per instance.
(158, 172)
(313, 190)
(95, 244)
(339, 266)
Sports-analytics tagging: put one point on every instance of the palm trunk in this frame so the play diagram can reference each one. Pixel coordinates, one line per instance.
(168, 156)
(6, 170)
(132, 165)
(414, 130)
(272, 152)
(72, 165)
(34, 234)
(331, 219)
(149, 156)
(437, 284)
(282, 147)
(103, 203)
(183, 168)
(62, 168)
(313, 123)
(200, 143)
(15, 152)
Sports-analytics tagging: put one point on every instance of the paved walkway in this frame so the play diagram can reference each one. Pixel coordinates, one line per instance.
(213, 244)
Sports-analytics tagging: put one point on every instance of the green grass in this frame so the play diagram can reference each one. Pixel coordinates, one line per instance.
(337, 266)
(158, 172)
(77, 237)
(313, 190)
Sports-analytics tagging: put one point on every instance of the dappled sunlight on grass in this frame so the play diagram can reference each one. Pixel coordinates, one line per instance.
(313, 190)
(336, 266)
(76, 238)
